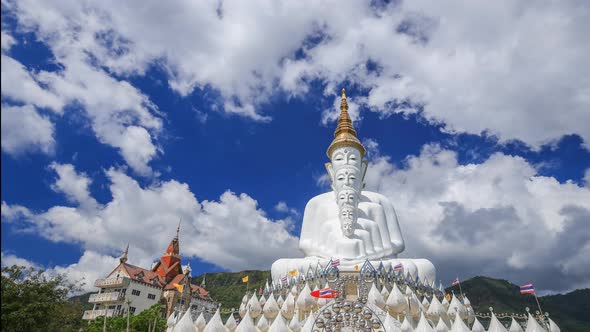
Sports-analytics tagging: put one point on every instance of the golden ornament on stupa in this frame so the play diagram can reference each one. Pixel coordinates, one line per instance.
(345, 135)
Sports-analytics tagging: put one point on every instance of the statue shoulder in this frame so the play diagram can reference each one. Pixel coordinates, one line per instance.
(320, 199)
(375, 197)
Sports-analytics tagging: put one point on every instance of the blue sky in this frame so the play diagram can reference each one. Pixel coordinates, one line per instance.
(120, 119)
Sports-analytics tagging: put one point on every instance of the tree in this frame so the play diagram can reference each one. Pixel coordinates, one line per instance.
(139, 322)
(33, 301)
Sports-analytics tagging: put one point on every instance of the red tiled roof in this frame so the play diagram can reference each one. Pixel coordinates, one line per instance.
(135, 272)
(175, 280)
(200, 290)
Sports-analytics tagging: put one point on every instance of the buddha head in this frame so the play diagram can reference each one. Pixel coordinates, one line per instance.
(347, 177)
(346, 196)
(348, 216)
(346, 150)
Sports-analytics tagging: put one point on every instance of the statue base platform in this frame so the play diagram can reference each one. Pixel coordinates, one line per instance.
(420, 267)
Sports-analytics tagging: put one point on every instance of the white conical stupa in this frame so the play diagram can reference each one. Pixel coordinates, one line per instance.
(230, 323)
(295, 324)
(459, 325)
(407, 325)
(375, 297)
(391, 324)
(435, 309)
(514, 326)
(262, 324)
(396, 301)
(215, 324)
(477, 327)
(271, 308)
(254, 307)
(533, 326)
(496, 325)
(423, 325)
(441, 326)
(305, 301)
(308, 325)
(247, 324)
(384, 293)
(553, 327)
(288, 307)
(279, 325)
(185, 324)
(200, 323)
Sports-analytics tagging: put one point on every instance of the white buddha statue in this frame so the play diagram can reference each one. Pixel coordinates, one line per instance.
(349, 223)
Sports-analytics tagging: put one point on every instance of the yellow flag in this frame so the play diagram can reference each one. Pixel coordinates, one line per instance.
(448, 297)
(245, 279)
(179, 287)
(356, 267)
(293, 273)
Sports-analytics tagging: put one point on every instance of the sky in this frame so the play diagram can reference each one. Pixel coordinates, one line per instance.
(119, 119)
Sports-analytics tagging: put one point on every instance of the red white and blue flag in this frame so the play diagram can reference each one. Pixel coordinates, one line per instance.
(398, 267)
(324, 293)
(284, 280)
(527, 289)
(456, 282)
(335, 263)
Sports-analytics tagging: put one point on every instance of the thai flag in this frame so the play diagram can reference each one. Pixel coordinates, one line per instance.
(398, 267)
(284, 280)
(527, 289)
(335, 263)
(326, 292)
(456, 282)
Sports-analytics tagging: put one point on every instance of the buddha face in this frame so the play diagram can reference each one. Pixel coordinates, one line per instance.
(347, 219)
(346, 156)
(347, 196)
(347, 229)
(347, 178)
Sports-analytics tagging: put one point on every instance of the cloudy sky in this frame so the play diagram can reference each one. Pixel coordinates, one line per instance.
(121, 118)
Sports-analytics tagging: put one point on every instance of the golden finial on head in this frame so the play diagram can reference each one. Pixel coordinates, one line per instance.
(343, 102)
(345, 135)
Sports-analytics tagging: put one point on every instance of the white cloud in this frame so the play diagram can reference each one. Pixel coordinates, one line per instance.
(499, 218)
(10, 259)
(516, 71)
(283, 207)
(20, 85)
(7, 40)
(73, 185)
(24, 129)
(231, 232)
(90, 266)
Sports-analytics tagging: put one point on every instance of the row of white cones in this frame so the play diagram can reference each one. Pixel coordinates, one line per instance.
(434, 315)
(248, 324)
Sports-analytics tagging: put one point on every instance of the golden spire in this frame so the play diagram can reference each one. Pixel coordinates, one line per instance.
(178, 228)
(345, 135)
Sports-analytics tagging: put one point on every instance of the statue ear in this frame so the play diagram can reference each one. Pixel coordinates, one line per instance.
(330, 170)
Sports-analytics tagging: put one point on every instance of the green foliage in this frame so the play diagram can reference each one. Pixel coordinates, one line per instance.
(141, 322)
(33, 301)
(228, 289)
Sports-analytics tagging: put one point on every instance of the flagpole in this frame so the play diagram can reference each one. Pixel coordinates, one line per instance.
(539, 305)
(461, 291)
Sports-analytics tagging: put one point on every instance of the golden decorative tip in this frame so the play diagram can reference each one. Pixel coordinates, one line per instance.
(345, 135)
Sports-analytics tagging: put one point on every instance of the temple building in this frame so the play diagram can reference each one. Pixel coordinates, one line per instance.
(132, 288)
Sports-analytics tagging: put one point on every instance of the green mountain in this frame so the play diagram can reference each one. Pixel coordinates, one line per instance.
(569, 311)
(228, 289)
